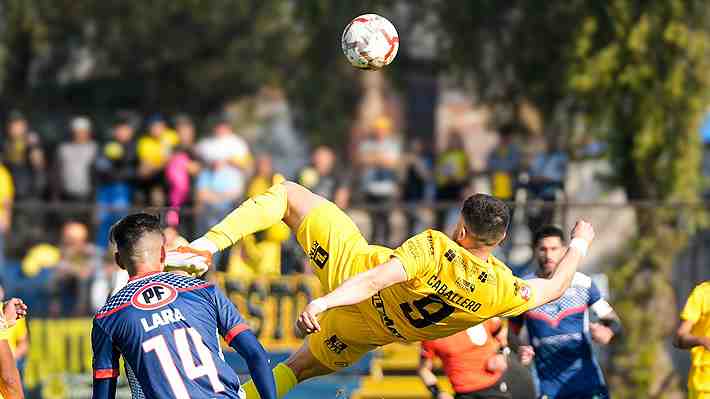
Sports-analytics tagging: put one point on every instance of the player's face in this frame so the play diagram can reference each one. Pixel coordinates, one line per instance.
(549, 251)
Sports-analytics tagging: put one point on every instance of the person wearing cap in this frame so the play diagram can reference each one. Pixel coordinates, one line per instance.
(74, 162)
(154, 150)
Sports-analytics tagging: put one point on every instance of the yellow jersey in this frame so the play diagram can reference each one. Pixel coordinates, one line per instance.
(448, 290)
(697, 311)
(156, 151)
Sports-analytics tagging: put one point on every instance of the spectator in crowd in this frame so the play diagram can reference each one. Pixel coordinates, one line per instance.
(474, 360)
(322, 178)
(560, 332)
(10, 382)
(109, 279)
(75, 272)
(181, 169)
(225, 145)
(18, 338)
(74, 161)
(379, 156)
(154, 150)
(115, 172)
(7, 194)
(417, 183)
(694, 334)
(504, 164)
(218, 188)
(452, 176)
(547, 174)
(23, 156)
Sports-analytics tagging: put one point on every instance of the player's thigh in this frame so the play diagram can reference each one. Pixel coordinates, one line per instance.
(344, 338)
(332, 242)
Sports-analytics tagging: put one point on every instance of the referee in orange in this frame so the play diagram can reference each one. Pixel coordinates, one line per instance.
(474, 360)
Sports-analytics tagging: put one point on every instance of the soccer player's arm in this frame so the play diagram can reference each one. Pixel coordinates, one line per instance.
(425, 370)
(684, 338)
(235, 331)
(609, 324)
(105, 363)
(548, 289)
(410, 261)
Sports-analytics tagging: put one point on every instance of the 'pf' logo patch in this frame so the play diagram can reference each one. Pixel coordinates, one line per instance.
(154, 296)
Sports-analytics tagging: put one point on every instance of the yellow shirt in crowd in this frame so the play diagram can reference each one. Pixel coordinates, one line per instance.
(7, 188)
(697, 311)
(156, 151)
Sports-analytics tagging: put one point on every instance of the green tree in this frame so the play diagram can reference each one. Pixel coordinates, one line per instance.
(636, 70)
(641, 71)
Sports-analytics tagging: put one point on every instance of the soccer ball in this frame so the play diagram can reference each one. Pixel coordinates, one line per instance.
(370, 42)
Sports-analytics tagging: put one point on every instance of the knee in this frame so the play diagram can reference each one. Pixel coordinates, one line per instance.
(305, 366)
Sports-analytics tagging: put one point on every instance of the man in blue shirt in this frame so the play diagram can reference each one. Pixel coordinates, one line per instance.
(167, 327)
(561, 333)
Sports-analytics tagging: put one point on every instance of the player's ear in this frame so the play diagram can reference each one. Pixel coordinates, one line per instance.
(162, 254)
(505, 234)
(461, 233)
(117, 258)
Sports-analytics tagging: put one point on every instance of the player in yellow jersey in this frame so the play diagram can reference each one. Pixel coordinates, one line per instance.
(430, 287)
(694, 334)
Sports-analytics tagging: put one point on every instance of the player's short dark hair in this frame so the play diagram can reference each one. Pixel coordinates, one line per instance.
(129, 230)
(547, 230)
(486, 217)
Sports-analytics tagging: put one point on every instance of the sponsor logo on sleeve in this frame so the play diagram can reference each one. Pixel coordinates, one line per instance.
(318, 254)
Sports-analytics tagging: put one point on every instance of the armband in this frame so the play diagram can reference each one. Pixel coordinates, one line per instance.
(613, 324)
(580, 244)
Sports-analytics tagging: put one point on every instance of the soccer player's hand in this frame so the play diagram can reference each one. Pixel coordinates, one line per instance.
(706, 342)
(192, 261)
(526, 353)
(14, 309)
(307, 322)
(601, 334)
(444, 395)
(584, 230)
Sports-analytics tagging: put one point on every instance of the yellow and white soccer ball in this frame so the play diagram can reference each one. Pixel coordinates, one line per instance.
(370, 42)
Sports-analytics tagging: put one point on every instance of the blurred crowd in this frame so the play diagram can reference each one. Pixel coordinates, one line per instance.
(83, 184)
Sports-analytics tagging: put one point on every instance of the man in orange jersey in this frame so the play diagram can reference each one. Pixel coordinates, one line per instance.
(475, 361)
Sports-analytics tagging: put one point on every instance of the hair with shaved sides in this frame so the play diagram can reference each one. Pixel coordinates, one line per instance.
(139, 240)
(486, 218)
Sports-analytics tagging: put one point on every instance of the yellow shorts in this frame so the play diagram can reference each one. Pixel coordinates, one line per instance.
(337, 251)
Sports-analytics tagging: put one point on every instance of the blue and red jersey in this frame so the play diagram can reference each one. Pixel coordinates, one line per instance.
(167, 328)
(564, 363)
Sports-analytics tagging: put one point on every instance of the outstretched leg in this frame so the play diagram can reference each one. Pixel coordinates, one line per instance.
(327, 235)
(287, 202)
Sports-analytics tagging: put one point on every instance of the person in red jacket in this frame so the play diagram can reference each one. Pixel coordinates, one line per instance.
(473, 359)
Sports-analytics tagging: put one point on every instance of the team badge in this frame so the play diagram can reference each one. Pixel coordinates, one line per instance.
(524, 292)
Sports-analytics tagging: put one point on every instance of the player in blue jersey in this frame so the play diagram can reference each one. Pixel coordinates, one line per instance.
(561, 333)
(167, 327)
